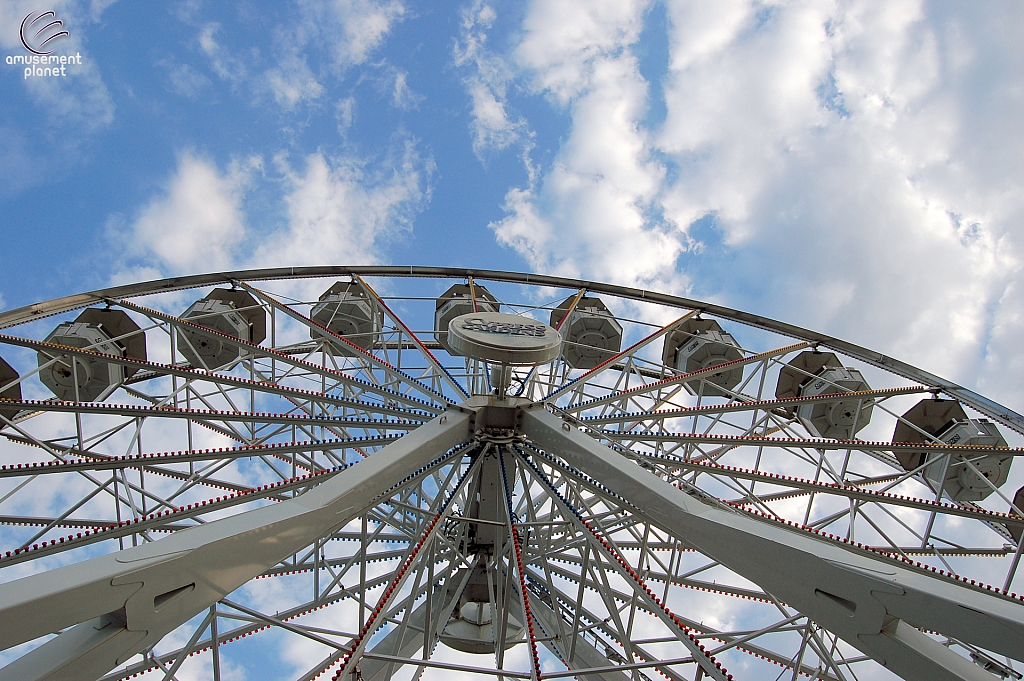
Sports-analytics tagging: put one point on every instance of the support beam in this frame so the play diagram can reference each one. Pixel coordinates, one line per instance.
(848, 591)
(584, 654)
(163, 584)
(405, 642)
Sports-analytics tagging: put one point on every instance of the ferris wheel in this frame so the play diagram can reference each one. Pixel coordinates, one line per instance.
(366, 473)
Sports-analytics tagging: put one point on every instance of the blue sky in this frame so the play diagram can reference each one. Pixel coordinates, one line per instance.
(849, 166)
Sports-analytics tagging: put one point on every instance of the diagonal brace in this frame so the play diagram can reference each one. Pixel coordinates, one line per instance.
(125, 602)
(857, 596)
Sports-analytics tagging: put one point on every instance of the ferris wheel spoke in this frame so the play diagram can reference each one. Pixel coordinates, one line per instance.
(149, 464)
(796, 486)
(442, 374)
(195, 376)
(764, 653)
(362, 407)
(390, 603)
(630, 646)
(722, 589)
(179, 557)
(657, 494)
(609, 555)
(224, 637)
(644, 417)
(901, 649)
(395, 375)
(679, 379)
(587, 640)
(159, 520)
(156, 463)
(259, 622)
(626, 354)
(398, 646)
(580, 654)
(803, 443)
(534, 381)
(421, 626)
(540, 552)
(746, 641)
(221, 415)
(98, 488)
(294, 364)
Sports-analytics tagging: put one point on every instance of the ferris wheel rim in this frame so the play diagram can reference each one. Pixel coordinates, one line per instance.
(117, 295)
(982, 404)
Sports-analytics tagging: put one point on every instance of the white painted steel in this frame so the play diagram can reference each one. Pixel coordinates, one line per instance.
(570, 493)
(847, 591)
(199, 566)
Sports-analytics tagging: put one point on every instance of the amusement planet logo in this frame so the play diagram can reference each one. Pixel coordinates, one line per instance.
(38, 30)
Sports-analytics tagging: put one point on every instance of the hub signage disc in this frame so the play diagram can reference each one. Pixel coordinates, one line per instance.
(504, 338)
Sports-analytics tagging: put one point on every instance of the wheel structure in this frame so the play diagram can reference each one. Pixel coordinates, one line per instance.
(287, 473)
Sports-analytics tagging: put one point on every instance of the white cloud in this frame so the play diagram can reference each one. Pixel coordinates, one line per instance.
(345, 31)
(223, 61)
(600, 192)
(491, 125)
(525, 229)
(563, 40)
(340, 210)
(349, 30)
(324, 38)
(292, 83)
(345, 113)
(854, 168)
(198, 222)
(392, 84)
(595, 212)
(335, 210)
(97, 7)
(847, 155)
(402, 96)
(184, 80)
(487, 82)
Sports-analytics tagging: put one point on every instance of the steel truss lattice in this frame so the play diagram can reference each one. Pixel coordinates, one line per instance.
(354, 502)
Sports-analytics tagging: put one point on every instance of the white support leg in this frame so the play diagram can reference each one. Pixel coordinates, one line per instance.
(161, 585)
(853, 594)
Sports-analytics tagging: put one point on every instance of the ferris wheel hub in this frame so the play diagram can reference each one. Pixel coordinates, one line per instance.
(506, 339)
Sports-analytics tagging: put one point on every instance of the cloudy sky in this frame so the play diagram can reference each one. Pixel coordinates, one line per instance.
(852, 167)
